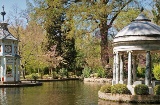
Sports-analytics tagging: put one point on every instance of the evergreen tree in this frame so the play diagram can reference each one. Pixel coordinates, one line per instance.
(51, 14)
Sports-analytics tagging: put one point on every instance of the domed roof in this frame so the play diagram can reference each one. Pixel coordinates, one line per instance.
(139, 33)
(4, 33)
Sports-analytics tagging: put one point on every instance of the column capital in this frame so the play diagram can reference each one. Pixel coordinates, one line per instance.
(115, 52)
(147, 51)
(129, 51)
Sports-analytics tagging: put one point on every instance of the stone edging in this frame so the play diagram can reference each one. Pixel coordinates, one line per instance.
(98, 80)
(129, 98)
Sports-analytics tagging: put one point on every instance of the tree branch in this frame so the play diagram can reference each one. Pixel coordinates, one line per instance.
(115, 16)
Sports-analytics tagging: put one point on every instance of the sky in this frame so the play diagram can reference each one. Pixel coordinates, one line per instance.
(8, 6)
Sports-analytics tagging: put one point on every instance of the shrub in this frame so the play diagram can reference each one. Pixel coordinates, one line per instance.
(141, 89)
(157, 90)
(120, 89)
(62, 72)
(100, 72)
(156, 71)
(140, 72)
(106, 88)
(34, 76)
(86, 72)
(55, 75)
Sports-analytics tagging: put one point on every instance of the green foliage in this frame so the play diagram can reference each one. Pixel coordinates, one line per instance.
(82, 25)
(141, 72)
(100, 72)
(86, 72)
(156, 12)
(55, 75)
(141, 89)
(157, 90)
(119, 89)
(106, 88)
(62, 72)
(156, 71)
(46, 76)
(34, 76)
(125, 17)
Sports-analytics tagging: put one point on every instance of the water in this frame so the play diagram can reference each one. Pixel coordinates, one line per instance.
(52, 93)
(55, 93)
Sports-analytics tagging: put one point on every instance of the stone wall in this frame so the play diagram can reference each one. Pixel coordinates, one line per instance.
(130, 98)
(98, 80)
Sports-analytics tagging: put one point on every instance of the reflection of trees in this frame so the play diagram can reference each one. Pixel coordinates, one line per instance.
(52, 93)
(3, 98)
(8, 96)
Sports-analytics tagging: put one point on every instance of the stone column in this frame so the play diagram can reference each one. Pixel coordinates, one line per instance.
(134, 68)
(17, 65)
(129, 68)
(148, 69)
(121, 69)
(5, 68)
(114, 70)
(117, 67)
(2, 68)
(13, 71)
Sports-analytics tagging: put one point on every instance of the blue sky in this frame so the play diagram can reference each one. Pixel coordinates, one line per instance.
(21, 4)
(8, 6)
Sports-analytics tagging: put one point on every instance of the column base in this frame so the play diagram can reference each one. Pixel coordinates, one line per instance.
(121, 82)
(131, 88)
(113, 82)
(150, 90)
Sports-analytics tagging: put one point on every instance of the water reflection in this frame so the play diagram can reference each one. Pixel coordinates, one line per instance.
(52, 93)
(55, 93)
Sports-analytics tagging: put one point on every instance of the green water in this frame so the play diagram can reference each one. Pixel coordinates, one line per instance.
(55, 93)
(52, 93)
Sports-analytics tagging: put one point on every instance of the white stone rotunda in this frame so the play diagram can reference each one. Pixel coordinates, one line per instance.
(140, 36)
(9, 58)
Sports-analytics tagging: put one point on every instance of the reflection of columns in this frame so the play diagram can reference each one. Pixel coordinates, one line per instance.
(117, 67)
(121, 69)
(129, 68)
(134, 68)
(148, 69)
(114, 69)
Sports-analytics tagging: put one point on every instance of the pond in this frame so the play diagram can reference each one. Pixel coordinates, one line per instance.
(55, 93)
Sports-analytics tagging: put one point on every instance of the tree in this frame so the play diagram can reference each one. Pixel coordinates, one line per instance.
(30, 39)
(104, 11)
(50, 14)
(156, 12)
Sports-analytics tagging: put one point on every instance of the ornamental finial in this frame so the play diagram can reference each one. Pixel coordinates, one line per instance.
(3, 13)
(142, 9)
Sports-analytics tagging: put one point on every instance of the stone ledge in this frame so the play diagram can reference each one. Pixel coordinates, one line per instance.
(129, 98)
(98, 80)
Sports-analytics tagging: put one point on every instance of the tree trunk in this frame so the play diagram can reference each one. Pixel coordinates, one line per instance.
(23, 72)
(104, 45)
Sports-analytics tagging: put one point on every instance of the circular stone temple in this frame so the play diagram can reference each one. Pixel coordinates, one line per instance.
(140, 36)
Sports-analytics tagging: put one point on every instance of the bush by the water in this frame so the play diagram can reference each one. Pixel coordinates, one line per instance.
(86, 72)
(141, 89)
(156, 71)
(141, 72)
(106, 88)
(157, 90)
(119, 89)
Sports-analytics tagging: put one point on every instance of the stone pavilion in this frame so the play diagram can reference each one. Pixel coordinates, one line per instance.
(141, 36)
